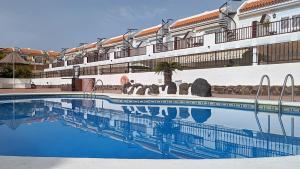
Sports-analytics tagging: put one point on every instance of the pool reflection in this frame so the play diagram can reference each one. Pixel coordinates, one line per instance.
(173, 132)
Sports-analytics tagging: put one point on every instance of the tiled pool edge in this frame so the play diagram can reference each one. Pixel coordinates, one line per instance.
(245, 104)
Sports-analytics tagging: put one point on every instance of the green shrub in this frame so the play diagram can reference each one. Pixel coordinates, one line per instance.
(6, 72)
(21, 71)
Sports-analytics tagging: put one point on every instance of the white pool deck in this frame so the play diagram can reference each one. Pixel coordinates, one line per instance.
(291, 162)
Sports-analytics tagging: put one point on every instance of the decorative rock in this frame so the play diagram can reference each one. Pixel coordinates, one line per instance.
(201, 87)
(141, 91)
(245, 90)
(184, 89)
(154, 89)
(163, 87)
(297, 90)
(172, 88)
(134, 86)
(125, 87)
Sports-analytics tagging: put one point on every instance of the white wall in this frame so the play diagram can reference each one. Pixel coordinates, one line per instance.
(288, 9)
(19, 83)
(244, 75)
(209, 46)
(51, 81)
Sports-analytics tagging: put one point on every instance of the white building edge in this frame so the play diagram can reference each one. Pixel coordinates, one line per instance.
(233, 45)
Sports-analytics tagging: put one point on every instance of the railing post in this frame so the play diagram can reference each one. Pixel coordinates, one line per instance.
(254, 56)
(85, 60)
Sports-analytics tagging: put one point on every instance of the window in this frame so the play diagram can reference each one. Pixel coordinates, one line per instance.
(285, 23)
(296, 20)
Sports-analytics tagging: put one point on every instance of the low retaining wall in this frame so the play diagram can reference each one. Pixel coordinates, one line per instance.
(8, 83)
(231, 90)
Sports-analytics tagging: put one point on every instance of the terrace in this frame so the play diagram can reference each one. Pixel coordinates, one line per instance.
(129, 53)
(179, 44)
(258, 30)
(75, 61)
(95, 57)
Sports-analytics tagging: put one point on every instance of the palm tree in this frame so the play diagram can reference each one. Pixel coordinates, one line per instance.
(167, 69)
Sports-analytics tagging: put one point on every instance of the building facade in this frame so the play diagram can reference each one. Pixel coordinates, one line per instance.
(233, 45)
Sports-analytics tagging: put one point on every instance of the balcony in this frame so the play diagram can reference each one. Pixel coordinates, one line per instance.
(58, 64)
(97, 57)
(131, 52)
(75, 61)
(179, 44)
(259, 30)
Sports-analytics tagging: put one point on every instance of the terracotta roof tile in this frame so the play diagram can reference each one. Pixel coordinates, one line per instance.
(148, 31)
(256, 4)
(32, 52)
(113, 40)
(91, 45)
(72, 50)
(53, 54)
(77, 49)
(206, 16)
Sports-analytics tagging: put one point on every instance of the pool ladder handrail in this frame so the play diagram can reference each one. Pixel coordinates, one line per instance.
(280, 99)
(257, 96)
(259, 88)
(95, 84)
(283, 89)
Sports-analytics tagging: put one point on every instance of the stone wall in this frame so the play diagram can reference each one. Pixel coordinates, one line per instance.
(252, 90)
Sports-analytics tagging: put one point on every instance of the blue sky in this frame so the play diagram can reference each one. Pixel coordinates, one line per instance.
(56, 24)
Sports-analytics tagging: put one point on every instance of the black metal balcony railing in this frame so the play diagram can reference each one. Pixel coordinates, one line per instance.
(179, 44)
(89, 70)
(46, 66)
(259, 30)
(75, 61)
(58, 64)
(131, 52)
(97, 57)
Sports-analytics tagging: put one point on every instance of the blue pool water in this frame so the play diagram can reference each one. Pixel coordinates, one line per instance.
(61, 127)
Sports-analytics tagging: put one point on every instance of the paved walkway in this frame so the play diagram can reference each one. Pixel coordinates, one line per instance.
(94, 163)
(287, 98)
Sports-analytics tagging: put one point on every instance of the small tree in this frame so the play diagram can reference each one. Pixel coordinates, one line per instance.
(2, 55)
(6, 71)
(167, 69)
(22, 71)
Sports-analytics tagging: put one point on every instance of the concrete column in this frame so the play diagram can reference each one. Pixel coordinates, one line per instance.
(149, 50)
(255, 57)
(50, 65)
(85, 60)
(65, 63)
(111, 56)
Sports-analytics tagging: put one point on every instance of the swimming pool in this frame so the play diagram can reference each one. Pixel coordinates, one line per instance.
(143, 129)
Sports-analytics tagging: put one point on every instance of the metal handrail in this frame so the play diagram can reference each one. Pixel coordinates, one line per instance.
(258, 91)
(93, 90)
(256, 99)
(282, 91)
(280, 99)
